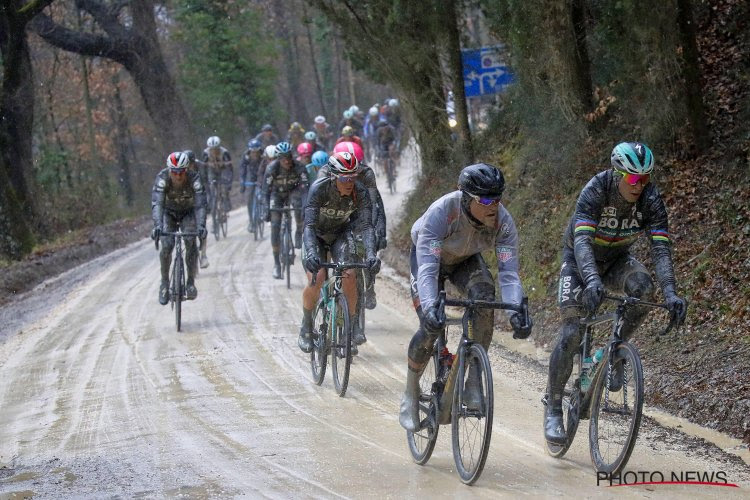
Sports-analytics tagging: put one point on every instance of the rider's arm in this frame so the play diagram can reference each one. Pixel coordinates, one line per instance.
(378, 210)
(157, 199)
(227, 159)
(506, 250)
(271, 170)
(244, 163)
(661, 245)
(315, 200)
(363, 221)
(199, 201)
(429, 245)
(585, 221)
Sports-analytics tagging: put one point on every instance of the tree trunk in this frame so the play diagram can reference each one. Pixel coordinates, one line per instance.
(691, 73)
(17, 212)
(582, 63)
(121, 122)
(456, 76)
(313, 60)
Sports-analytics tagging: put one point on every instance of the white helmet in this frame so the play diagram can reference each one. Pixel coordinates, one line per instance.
(373, 111)
(348, 114)
(354, 109)
(270, 151)
(310, 135)
(177, 161)
(393, 103)
(213, 141)
(320, 119)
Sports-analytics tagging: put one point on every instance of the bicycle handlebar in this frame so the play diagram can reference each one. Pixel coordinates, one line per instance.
(634, 301)
(522, 308)
(175, 233)
(285, 209)
(338, 266)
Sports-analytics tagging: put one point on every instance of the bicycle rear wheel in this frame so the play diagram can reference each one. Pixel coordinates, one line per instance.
(289, 257)
(177, 284)
(320, 340)
(341, 348)
(472, 428)
(616, 414)
(284, 257)
(215, 220)
(571, 406)
(422, 442)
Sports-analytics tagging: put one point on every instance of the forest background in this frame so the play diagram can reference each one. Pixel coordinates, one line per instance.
(96, 92)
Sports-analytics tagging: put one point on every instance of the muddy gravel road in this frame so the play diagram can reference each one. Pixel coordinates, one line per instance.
(100, 397)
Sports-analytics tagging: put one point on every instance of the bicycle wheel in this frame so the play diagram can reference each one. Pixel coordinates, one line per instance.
(289, 257)
(389, 174)
(341, 347)
(616, 415)
(284, 251)
(177, 284)
(472, 428)
(215, 219)
(224, 216)
(571, 406)
(320, 339)
(261, 222)
(422, 442)
(361, 299)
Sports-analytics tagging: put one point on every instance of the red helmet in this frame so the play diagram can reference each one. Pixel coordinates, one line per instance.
(350, 147)
(343, 163)
(177, 161)
(304, 149)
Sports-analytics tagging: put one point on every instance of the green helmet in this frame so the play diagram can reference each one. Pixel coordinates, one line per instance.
(632, 158)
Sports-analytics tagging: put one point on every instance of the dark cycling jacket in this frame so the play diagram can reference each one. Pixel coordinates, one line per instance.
(445, 235)
(328, 214)
(605, 225)
(282, 181)
(221, 169)
(166, 196)
(367, 178)
(249, 168)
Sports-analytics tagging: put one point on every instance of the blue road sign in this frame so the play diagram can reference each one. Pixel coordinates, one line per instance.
(484, 71)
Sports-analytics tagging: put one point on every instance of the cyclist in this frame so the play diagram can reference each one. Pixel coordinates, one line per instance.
(369, 130)
(295, 135)
(318, 160)
(347, 135)
(266, 136)
(366, 177)
(336, 206)
(613, 209)
(249, 167)
(304, 152)
(286, 183)
(312, 139)
(202, 169)
(323, 131)
(220, 170)
(178, 200)
(350, 120)
(447, 242)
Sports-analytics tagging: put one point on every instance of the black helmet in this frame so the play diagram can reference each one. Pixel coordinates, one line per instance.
(190, 155)
(481, 179)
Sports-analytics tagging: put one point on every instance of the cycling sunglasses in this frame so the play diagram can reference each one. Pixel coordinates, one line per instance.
(346, 178)
(485, 201)
(633, 179)
(178, 171)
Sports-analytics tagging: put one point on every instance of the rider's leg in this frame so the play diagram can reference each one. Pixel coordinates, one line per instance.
(188, 224)
(276, 202)
(165, 257)
(569, 340)
(473, 279)
(418, 355)
(630, 277)
(250, 202)
(203, 256)
(310, 295)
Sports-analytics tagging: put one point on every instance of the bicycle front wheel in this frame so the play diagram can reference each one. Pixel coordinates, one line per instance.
(422, 442)
(224, 216)
(472, 427)
(179, 290)
(616, 410)
(321, 341)
(215, 220)
(341, 348)
(285, 244)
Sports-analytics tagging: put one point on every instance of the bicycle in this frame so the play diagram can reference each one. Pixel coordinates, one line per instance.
(286, 256)
(332, 332)
(177, 292)
(389, 167)
(441, 399)
(594, 393)
(256, 212)
(219, 215)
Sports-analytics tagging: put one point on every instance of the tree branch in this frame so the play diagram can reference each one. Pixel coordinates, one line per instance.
(105, 17)
(34, 7)
(87, 44)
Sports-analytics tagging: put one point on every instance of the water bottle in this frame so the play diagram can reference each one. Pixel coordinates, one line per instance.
(588, 364)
